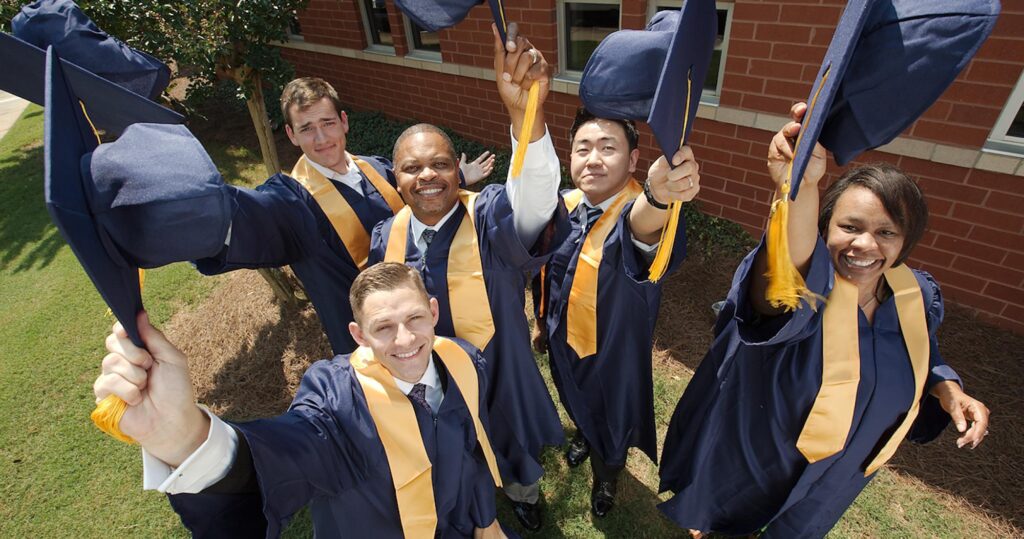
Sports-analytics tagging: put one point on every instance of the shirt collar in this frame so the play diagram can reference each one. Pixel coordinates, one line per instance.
(429, 378)
(351, 179)
(607, 202)
(418, 227)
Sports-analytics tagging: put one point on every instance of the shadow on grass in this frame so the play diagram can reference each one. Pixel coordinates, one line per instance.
(28, 240)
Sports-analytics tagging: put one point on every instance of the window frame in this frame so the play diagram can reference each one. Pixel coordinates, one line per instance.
(564, 73)
(292, 36)
(368, 28)
(999, 140)
(707, 97)
(419, 54)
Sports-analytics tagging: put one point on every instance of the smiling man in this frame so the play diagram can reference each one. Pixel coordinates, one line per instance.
(389, 441)
(318, 218)
(473, 250)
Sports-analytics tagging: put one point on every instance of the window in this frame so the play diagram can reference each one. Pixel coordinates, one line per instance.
(582, 25)
(716, 71)
(1008, 133)
(294, 30)
(378, 29)
(422, 44)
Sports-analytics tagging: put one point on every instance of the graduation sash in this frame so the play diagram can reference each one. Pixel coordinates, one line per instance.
(828, 425)
(395, 419)
(338, 211)
(581, 318)
(467, 293)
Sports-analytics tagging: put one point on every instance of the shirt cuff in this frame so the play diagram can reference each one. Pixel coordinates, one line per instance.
(207, 465)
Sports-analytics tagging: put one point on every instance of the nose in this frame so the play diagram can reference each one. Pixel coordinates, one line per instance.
(865, 242)
(404, 337)
(318, 135)
(427, 174)
(594, 158)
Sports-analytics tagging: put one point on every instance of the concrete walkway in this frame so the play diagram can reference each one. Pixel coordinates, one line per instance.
(11, 107)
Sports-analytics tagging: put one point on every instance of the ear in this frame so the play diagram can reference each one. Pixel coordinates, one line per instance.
(357, 334)
(634, 156)
(291, 134)
(344, 121)
(435, 312)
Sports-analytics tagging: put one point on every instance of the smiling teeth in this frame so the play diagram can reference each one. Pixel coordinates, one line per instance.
(407, 356)
(860, 263)
(430, 191)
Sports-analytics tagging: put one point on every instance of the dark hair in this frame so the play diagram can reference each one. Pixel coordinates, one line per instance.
(583, 116)
(900, 196)
(423, 128)
(304, 92)
(383, 277)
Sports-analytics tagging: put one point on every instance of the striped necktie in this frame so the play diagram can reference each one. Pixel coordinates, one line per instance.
(593, 214)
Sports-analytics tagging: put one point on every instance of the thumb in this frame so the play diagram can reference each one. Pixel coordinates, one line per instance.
(156, 343)
(957, 414)
(462, 159)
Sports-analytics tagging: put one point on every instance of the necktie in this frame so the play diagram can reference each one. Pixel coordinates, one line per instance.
(593, 214)
(418, 395)
(428, 236)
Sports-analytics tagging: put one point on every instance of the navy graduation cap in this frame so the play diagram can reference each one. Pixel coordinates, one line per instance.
(434, 15)
(655, 75)
(91, 58)
(110, 201)
(888, 61)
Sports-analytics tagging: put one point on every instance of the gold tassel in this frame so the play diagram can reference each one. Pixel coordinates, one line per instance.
(786, 287)
(524, 135)
(108, 412)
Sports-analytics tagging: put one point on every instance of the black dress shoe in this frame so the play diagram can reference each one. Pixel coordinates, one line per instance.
(577, 452)
(602, 498)
(528, 514)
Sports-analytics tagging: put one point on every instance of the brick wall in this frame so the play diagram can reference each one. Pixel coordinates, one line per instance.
(975, 243)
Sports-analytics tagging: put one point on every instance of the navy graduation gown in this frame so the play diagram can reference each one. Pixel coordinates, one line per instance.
(280, 223)
(325, 451)
(730, 452)
(523, 416)
(610, 395)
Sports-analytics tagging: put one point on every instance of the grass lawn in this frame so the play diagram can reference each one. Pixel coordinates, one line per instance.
(61, 477)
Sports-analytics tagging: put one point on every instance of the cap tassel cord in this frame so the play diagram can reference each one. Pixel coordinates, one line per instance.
(524, 134)
(668, 232)
(109, 411)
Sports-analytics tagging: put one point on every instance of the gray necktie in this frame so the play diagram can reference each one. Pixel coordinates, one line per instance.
(418, 395)
(593, 214)
(428, 235)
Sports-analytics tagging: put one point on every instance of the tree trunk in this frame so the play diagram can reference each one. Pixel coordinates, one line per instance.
(283, 287)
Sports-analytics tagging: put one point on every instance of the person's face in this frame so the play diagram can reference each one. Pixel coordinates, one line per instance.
(398, 325)
(320, 131)
(428, 176)
(601, 161)
(862, 238)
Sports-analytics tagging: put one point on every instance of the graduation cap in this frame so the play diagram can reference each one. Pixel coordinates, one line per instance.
(888, 61)
(619, 82)
(150, 198)
(91, 58)
(434, 15)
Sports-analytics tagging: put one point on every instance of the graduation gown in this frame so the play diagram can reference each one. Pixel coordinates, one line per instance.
(609, 395)
(325, 451)
(522, 414)
(730, 453)
(280, 223)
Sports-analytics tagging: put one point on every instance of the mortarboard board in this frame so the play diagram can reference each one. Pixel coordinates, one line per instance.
(434, 15)
(656, 75)
(888, 61)
(96, 59)
(114, 203)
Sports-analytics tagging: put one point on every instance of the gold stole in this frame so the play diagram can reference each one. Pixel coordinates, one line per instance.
(467, 293)
(395, 419)
(338, 211)
(828, 425)
(581, 318)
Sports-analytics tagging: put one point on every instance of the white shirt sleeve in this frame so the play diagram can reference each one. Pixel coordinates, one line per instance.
(534, 194)
(207, 465)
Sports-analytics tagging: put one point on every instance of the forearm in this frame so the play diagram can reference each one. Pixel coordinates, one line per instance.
(206, 464)
(802, 236)
(646, 221)
(518, 117)
(534, 194)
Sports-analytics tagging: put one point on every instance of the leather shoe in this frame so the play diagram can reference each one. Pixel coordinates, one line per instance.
(602, 498)
(528, 514)
(577, 452)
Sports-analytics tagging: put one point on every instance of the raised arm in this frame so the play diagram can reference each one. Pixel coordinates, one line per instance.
(803, 212)
(666, 184)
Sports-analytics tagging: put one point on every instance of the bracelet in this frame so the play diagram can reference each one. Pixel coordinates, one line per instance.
(650, 197)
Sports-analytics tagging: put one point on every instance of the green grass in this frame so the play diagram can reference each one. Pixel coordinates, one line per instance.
(60, 477)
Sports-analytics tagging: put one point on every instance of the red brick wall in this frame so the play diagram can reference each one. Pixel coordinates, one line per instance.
(975, 243)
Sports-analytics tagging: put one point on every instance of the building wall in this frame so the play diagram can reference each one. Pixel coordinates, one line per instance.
(975, 243)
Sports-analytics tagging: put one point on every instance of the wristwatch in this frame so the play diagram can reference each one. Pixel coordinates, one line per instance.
(650, 198)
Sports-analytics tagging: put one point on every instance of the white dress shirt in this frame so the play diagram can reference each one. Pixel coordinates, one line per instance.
(352, 178)
(212, 461)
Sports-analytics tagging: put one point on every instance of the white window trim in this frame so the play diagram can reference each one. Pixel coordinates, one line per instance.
(564, 74)
(370, 45)
(708, 97)
(999, 140)
(419, 54)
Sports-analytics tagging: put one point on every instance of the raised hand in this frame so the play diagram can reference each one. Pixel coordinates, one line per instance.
(162, 414)
(782, 146)
(517, 66)
(477, 169)
(681, 183)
